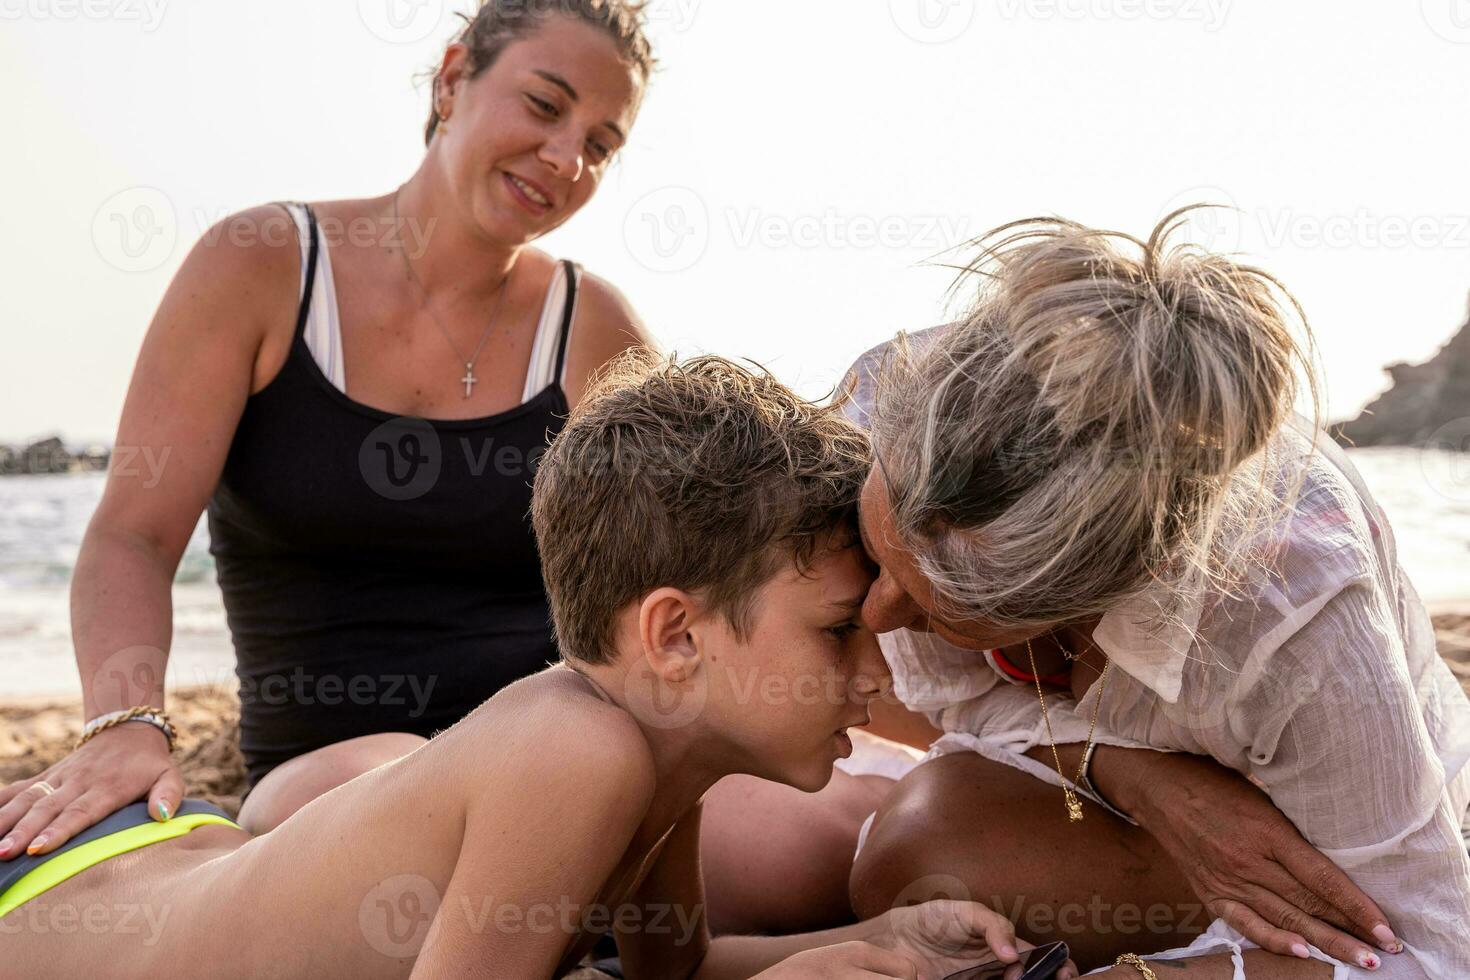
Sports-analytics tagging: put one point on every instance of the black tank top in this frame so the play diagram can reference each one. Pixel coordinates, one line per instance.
(379, 573)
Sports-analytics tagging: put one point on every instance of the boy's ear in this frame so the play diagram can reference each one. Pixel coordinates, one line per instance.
(665, 618)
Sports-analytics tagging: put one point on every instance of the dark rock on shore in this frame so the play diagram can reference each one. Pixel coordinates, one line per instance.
(1424, 400)
(51, 456)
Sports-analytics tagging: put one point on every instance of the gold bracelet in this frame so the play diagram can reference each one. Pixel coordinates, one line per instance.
(1136, 961)
(156, 717)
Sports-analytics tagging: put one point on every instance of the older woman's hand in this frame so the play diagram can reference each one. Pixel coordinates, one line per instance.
(1243, 857)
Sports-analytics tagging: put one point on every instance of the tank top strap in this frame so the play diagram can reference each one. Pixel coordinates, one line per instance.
(310, 238)
(569, 313)
(319, 326)
(549, 350)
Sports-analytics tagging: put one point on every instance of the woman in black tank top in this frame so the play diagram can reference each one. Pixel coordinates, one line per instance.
(378, 571)
(373, 544)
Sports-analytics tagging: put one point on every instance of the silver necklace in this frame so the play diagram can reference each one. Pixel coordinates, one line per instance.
(469, 380)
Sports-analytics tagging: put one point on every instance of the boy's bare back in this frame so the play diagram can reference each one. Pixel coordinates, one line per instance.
(541, 792)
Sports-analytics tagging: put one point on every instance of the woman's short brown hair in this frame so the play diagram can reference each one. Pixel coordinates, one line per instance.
(702, 475)
(499, 23)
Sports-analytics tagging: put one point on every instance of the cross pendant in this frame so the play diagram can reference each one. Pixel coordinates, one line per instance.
(469, 379)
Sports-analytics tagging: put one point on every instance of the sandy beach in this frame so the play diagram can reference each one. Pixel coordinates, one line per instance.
(34, 733)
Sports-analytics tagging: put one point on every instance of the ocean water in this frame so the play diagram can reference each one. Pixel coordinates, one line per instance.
(42, 519)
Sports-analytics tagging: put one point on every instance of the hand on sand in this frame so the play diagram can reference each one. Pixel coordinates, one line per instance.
(118, 767)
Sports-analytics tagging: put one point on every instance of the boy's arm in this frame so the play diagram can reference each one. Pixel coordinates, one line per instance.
(664, 931)
(541, 837)
(665, 936)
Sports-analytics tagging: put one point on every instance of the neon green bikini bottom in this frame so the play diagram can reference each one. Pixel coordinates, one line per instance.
(128, 829)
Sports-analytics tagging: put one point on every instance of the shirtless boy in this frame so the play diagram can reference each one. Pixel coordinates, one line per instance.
(695, 524)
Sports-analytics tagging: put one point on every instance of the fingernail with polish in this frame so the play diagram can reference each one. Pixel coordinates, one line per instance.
(1368, 961)
(36, 845)
(1300, 951)
(1387, 941)
(163, 810)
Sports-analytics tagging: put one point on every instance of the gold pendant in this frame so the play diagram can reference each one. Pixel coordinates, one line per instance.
(1074, 809)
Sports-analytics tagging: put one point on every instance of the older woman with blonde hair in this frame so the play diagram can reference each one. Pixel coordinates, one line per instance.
(1115, 561)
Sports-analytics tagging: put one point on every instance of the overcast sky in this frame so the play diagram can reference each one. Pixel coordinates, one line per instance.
(795, 163)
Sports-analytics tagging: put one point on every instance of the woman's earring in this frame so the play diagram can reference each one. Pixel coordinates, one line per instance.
(439, 110)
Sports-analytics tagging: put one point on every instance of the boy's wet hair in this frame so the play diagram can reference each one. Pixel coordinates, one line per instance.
(702, 475)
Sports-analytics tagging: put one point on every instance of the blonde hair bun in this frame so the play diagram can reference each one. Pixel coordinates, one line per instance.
(1094, 423)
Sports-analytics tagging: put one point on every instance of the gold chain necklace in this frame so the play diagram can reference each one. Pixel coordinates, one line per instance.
(1069, 793)
(469, 380)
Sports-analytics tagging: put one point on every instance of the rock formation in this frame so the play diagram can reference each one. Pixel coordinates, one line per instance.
(51, 456)
(1424, 399)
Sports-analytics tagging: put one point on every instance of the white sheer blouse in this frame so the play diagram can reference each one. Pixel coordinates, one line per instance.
(1325, 689)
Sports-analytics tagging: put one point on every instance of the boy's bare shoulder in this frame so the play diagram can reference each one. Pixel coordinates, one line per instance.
(562, 727)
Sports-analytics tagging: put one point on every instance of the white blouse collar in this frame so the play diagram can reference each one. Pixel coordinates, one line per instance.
(1151, 652)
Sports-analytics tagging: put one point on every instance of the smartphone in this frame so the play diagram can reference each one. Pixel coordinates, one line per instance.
(1041, 963)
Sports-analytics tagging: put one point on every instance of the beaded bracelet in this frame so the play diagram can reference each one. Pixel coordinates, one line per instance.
(145, 713)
